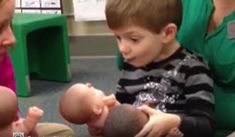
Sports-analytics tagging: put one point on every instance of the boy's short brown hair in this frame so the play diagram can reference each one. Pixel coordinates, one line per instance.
(150, 14)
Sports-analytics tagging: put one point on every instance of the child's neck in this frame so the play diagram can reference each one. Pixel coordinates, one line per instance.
(168, 50)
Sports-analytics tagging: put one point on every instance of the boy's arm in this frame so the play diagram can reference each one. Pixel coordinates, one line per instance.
(122, 96)
(199, 108)
(198, 122)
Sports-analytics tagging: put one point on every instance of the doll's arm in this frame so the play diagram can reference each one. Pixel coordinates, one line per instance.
(34, 114)
(28, 124)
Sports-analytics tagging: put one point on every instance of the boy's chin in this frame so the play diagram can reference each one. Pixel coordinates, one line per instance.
(138, 65)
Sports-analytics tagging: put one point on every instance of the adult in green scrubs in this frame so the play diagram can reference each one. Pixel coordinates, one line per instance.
(208, 28)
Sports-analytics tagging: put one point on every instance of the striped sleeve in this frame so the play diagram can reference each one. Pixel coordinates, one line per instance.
(199, 107)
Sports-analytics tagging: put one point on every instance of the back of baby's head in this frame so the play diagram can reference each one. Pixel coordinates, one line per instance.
(150, 14)
(9, 106)
(74, 107)
(124, 121)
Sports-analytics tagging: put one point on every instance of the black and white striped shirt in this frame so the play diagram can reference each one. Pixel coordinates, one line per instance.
(180, 84)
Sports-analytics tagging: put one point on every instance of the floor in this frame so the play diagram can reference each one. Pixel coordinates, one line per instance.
(101, 71)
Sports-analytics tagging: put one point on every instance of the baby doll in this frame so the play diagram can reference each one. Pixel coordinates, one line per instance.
(8, 115)
(126, 121)
(84, 104)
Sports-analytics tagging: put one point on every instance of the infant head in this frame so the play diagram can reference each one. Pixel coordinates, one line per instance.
(124, 121)
(9, 106)
(81, 103)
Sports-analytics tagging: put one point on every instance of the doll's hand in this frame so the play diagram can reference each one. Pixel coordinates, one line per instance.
(159, 123)
(31, 119)
(35, 113)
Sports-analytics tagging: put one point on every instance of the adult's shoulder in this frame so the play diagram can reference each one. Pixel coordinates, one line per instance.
(196, 3)
(196, 14)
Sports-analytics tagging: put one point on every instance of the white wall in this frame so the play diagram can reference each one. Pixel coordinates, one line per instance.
(83, 28)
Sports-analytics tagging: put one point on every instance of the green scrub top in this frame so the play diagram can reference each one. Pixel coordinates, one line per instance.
(218, 48)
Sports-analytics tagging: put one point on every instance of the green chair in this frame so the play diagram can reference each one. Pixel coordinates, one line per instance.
(41, 49)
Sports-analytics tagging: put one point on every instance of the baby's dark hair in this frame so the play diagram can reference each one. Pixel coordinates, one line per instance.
(124, 121)
(150, 14)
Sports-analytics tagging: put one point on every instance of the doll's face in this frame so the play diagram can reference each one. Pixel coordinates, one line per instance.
(88, 92)
(82, 103)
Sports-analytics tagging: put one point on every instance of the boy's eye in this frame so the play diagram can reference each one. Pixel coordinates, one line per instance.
(134, 39)
(118, 38)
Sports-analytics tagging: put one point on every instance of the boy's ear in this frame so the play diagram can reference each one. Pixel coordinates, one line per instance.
(97, 109)
(169, 32)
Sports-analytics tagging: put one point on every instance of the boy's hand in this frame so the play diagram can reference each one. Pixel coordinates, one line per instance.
(110, 101)
(159, 123)
(175, 132)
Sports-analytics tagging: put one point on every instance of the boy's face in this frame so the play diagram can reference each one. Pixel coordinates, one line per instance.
(138, 45)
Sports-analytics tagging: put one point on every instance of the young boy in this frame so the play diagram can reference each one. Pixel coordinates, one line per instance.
(157, 71)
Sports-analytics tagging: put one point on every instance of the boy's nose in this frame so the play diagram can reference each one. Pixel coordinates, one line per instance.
(124, 49)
